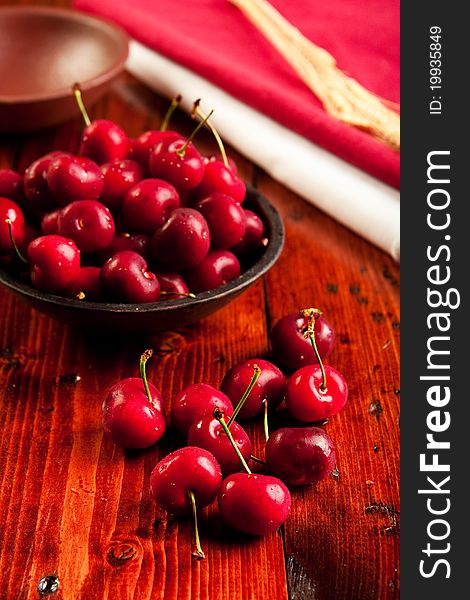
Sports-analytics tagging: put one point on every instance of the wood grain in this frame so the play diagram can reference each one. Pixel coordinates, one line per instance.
(75, 506)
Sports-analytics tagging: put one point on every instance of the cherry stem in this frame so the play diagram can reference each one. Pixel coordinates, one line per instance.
(143, 360)
(13, 243)
(198, 553)
(171, 109)
(185, 294)
(181, 152)
(258, 460)
(312, 314)
(197, 111)
(265, 420)
(78, 97)
(251, 385)
(219, 415)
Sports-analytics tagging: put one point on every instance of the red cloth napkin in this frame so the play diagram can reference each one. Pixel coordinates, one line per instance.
(215, 40)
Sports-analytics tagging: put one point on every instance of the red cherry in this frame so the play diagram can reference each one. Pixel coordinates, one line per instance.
(148, 205)
(300, 455)
(217, 268)
(270, 386)
(50, 222)
(133, 411)
(186, 470)
(221, 178)
(209, 434)
(88, 223)
(146, 142)
(177, 162)
(308, 400)
(254, 504)
(136, 242)
(194, 402)
(119, 177)
(290, 346)
(74, 178)
(254, 233)
(10, 211)
(12, 186)
(88, 284)
(103, 141)
(36, 186)
(173, 285)
(124, 278)
(225, 218)
(55, 263)
(183, 241)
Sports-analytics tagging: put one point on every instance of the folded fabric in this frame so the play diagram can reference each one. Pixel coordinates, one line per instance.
(359, 201)
(214, 39)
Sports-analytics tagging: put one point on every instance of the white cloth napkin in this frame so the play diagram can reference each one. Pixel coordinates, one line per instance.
(361, 202)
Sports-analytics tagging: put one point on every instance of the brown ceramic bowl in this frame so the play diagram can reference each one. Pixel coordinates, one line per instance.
(43, 52)
(159, 316)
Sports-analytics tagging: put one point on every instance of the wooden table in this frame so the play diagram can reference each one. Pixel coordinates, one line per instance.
(74, 506)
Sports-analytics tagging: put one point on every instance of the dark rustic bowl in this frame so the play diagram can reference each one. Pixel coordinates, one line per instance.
(164, 315)
(43, 52)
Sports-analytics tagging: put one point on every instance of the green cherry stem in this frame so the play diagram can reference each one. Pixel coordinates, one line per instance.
(78, 96)
(251, 385)
(184, 294)
(258, 460)
(171, 109)
(198, 553)
(182, 151)
(311, 314)
(219, 415)
(143, 360)
(265, 420)
(197, 111)
(13, 243)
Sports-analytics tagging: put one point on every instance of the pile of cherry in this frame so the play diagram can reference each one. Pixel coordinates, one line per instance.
(215, 461)
(97, 219)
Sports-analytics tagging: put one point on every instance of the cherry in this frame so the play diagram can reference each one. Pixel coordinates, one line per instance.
(148, 205)
(209, 434)
(300, 455)
(194, 402)
(225, 218)
(290, 345)
(88, 223)
(172, 285)
(11, 219)
(136, 242)
(50, 222)
(36, 187)
(88, 284)
(74, 178)
(178, 161)
(184, 480)
(217, 268)
(119, 177)
(253, 236)
(133, 411)
(183, 241)
(12, 186)
(103, 141)
(309, 399)
(269, 388)
(219, 177)
(54, 262)
(254, 504)
(124, 278)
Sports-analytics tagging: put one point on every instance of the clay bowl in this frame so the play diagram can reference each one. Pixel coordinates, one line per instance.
(165, 315)
(43, 52)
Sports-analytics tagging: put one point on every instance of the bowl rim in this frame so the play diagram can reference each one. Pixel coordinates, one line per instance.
(244, 280)
(70, 14)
